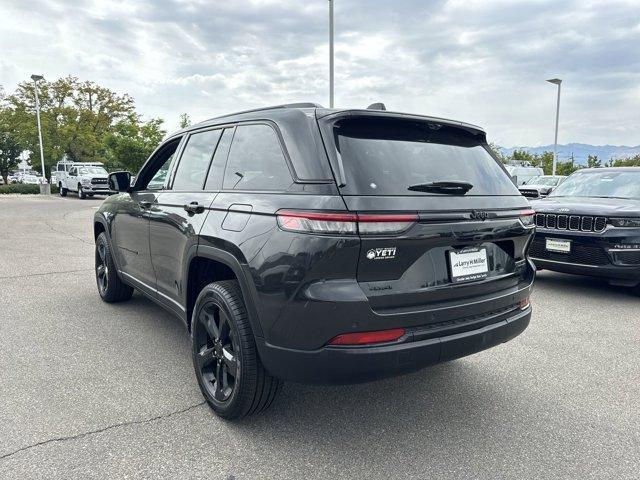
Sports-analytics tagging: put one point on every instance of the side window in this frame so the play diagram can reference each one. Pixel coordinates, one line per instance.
(72, 172)
(157, 181)
(154, 174)
(216, 170)
(256, 161)
(194, 163)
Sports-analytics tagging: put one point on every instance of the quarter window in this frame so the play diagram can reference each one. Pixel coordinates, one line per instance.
(256, 161)
(194, 163)
(216, 170)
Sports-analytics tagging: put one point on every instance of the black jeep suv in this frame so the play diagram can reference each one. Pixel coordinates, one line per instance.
(321, 246)
(590, 225)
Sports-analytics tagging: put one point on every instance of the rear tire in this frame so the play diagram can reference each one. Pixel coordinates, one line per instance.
(63, 191)
(81, 194)
(110, 287)
(230, 374)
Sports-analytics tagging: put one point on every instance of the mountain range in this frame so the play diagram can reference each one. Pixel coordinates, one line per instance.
(580, 151)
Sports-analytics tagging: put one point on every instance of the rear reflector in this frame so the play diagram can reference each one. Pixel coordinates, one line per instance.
(365, 338)
(344, 223)
(524, 303)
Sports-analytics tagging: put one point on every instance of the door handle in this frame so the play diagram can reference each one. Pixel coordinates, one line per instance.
(194, 207)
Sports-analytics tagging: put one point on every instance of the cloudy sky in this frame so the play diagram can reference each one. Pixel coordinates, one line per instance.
(483, 62)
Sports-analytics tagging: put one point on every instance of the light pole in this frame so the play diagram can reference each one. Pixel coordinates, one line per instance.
(330, 53)
(35, 79)
(557, 82)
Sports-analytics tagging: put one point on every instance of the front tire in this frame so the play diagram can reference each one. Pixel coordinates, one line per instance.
(63, 191)
(110, 287)
(81, 194)
(228, 368)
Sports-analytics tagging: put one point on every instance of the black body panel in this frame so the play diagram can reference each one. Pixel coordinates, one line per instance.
(301, 288)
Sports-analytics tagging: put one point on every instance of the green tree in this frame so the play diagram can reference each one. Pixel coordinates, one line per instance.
(76, 117)
(131, 141)
(496, 151)
(10, 147)
(593, 161)
(185, 120)
(625, 162)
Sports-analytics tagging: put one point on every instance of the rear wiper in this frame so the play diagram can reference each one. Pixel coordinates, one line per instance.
(454, 188)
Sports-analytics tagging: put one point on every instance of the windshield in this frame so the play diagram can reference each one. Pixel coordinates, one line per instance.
(92, 171)
(386, 156)
(545, 181)
(613, 184)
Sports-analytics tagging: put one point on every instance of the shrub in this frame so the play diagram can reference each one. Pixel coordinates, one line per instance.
(24, 189)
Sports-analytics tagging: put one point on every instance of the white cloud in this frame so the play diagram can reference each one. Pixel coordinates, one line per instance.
(480, 61)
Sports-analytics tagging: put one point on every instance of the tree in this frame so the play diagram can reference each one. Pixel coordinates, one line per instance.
(76, 117)
(131, 141)
(626, 162)
(185, 120)
(498, 153)
(593, 161)
(10, 147)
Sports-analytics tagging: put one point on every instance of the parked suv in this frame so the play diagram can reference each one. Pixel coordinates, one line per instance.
(590, 225)
(320, 246)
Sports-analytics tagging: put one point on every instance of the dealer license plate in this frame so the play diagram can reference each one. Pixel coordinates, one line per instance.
(468, 264)
(556, 245)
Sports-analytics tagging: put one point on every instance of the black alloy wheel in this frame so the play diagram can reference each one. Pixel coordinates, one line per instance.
(102, 268)
(216, 352)
(225, 358)
(110, 287)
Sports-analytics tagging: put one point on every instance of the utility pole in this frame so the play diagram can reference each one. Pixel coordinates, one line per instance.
(35, 79)
(557, 82)
(330, 53)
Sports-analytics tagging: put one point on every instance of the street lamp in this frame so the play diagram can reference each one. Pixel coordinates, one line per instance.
(330, 53)
(557, 82)
(35, 79)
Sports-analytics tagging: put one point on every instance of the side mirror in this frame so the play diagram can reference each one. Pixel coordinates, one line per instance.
(120, 181)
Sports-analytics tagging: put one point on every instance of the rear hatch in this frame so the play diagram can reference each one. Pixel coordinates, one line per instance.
(441, 221)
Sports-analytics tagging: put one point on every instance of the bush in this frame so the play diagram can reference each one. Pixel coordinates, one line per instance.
(24, 189)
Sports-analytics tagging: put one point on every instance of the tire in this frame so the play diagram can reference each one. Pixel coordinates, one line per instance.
(223, 345)
(110, 287)
(81, 194)
(62, 191)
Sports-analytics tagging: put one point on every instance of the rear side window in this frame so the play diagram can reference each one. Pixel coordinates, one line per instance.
(387, 156)
(216, 171)
(256, 161)
(194, 163)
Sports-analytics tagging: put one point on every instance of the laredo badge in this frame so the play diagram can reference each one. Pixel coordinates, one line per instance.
(384, 253)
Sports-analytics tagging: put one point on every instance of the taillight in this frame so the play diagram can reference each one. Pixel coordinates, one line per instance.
(345, 223)
(365, 338)
(527, 218)
(372, 224)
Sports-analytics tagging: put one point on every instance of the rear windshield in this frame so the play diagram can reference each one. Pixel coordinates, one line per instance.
(387, 156)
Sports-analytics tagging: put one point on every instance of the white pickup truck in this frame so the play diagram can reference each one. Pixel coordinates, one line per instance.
(86, 179)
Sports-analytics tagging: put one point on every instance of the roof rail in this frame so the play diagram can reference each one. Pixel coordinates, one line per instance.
(285, 105)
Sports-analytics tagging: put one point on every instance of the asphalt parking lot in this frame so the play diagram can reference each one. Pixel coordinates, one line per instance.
(91, 390)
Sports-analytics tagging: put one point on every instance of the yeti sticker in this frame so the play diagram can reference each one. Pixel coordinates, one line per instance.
(384, 253)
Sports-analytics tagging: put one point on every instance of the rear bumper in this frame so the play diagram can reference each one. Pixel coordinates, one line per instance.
(341, 365)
